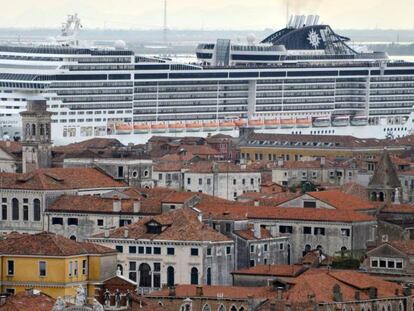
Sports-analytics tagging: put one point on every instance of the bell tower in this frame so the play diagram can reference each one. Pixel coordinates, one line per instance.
(36, 142)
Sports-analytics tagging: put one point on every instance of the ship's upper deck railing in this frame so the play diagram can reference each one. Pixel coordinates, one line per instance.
(62, 50)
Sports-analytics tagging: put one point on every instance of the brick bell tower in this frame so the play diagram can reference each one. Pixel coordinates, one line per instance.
(36, 142)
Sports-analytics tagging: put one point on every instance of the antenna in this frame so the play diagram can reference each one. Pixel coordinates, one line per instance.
(287, 11)
(165, 22)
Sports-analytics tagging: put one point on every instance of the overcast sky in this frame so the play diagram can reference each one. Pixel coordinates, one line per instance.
(207, 14)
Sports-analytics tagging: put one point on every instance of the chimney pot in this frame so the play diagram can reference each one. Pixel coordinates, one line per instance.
(116, 204)
(126, 233)
(137, 206)
(257, 231)
(106, 233)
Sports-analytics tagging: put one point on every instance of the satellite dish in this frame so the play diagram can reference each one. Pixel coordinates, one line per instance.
(120, 45)
(251, 38)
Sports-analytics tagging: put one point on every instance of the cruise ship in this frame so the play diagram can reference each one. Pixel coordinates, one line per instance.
(302, 79)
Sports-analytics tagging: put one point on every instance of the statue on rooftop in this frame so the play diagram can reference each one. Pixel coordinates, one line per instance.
(97, 306)
(59, 305)
(80, 298)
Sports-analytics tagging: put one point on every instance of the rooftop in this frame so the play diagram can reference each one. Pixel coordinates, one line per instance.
(272, 270)
(342, 201)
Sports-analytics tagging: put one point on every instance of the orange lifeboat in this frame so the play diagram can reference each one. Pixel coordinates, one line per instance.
(176, 127)
(240, 122)
(256, 123)
(227, 125)
(303, 122)
(288, 123)
(271, 123)
(211, 125)
(124, 128)
(193, 127)
(141, 128)
(158, 128)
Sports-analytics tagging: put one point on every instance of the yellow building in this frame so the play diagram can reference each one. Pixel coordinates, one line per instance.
(53, 264)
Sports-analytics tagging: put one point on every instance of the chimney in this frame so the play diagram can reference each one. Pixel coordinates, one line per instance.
(397, 292)
(357, 295)
(199, 291)
(337, 295)
(126, 233)
(116, 204)
(323, 161)
(256, 203)
(279, 293)
(200, 217)
(257, 231)
(273, 231)
(280, 162)
(171, 291)
(137, 206)
(106, 233)
(8, 143)
(29, 291)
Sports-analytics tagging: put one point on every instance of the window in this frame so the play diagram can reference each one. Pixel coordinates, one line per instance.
(25, 212)
(285, 229)
(15, 209)
(4, 212)
(170, 251)
(251, 248)
(251, 263)
(252, 181)
(194, 252)
(374, 263)
(159, 176)
(132, 249)
(194, 276)
(209, 251)
(75, 268)
(42, 268)
(266, 247)
(307, 230)
(84, 267)
(234, 181)
(200, 181)
(309, 204)
(148, 250)
(120, 171)
(228, 227)
(208, 181)
(391, 264)
(382, 263)
(72, 221)
(132, 266)
(281, 246)
(170, 276)
(243, 181)
(188, 181)
(10, 267)
(345, 232)
(399, 264)
(70, 268)
(57, 221)
(119, 248)
(100, 222)
(228, 250)
(141, 250)
(319, 231)
(36, 210)
(157, 250)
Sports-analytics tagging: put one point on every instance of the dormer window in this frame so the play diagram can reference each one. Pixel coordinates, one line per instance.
(154, 228)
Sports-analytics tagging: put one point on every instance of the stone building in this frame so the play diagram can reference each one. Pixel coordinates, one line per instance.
(172, 248)
(36, 142)
(25, 197)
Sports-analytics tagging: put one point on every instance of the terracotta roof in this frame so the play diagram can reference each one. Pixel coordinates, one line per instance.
(25, 301)
(273, 270)
(385, 175)
(93, 143)
(170, 166)
(201, 150)
(320, 283)
(355, 189)
(398, 208)
(213, 291)
(59, 179)
(341, 200)
(406, 247)
(248, 234)
(47, 244)
(179, 197)
(179, 225)
(94, 204)
(13, 148)
(239, 212)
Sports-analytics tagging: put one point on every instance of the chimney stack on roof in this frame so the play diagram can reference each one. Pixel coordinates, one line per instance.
(106, 233)
(116, 204)
(126, 233)
(257, 231)
(137, 206)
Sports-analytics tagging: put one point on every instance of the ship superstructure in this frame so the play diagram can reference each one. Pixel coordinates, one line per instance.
(303, 79)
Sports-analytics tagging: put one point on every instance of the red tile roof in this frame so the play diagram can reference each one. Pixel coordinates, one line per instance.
(273, 270)
(13, 148)
(406, 247)
(213, 291)
(28, 302)
(238, 212)
(59, 179)
(398, 208)
(179, 225)
(248, 234)
(48, 244)
(179, 197)
(342, 201)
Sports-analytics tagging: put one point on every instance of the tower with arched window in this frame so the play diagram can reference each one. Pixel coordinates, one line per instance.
(385, 185)
(36, 140)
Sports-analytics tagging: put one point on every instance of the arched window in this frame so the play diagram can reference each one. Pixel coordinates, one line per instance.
(185, 307)
(208, 276)
(120, 269)
(242, 308)
(25, 212)
(73, 238)
(145, 275)
(170, 276)
(36, 210)
(288, 255)
(206, 307)
(42, 129)
(401, 307)
(308, 248)
(27, 134)
(221, 308)
(381, 197)
(33, 129)
(390, 307)
(194, 276)
(15, 209)
(233, 308)
(373, 196)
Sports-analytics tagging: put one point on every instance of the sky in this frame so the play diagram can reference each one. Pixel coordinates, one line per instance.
(206, 14)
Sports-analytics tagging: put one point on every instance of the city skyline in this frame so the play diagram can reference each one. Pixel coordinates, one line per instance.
(226, 15)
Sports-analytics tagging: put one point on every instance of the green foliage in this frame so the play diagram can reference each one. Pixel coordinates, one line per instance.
(346, 263)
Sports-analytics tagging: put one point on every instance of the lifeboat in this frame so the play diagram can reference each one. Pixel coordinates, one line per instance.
(272, 123)
(322, 122)
(359, 121)
(193, 127)
(124, 128)
(256, 123)
(303, 122)
(211, 125)
(141, 128)
(226, 125)
(158, 128)
(341, 121)
(176, 127)
(240, 122)
(288, 123)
